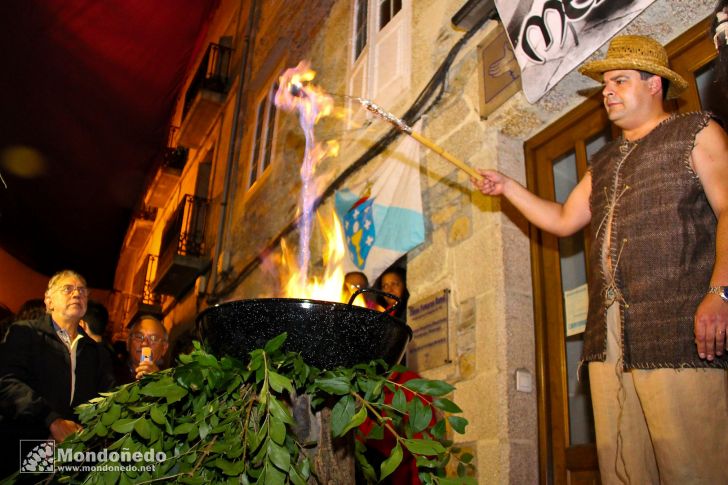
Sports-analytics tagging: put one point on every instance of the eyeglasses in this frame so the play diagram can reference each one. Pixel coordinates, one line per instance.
(152, 339)
(69, 289)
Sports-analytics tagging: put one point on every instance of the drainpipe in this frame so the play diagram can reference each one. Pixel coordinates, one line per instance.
(233, 140)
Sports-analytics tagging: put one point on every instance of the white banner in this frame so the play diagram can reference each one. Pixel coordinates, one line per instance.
(552, 37)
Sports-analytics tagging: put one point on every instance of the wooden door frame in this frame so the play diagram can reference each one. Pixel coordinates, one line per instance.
(552, 425)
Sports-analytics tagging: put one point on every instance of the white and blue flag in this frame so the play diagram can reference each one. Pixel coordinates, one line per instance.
(382, 216)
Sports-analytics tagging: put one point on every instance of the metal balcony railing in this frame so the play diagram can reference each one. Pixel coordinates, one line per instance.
(213, 74)
(183, 251)
(142, 285)
(185, 231)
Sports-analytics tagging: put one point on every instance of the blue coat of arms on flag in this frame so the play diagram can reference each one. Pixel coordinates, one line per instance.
(359, 230)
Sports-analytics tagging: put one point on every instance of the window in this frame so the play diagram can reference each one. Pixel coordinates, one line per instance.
(381, 52)
(265, 121)
(387, 10)
(360, 27)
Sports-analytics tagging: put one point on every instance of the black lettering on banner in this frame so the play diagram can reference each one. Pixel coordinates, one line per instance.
(568, 11)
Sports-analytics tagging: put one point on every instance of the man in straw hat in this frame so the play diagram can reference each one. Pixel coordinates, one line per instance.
(655, 341)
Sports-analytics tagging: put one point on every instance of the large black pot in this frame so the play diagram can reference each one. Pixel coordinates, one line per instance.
(326, 334)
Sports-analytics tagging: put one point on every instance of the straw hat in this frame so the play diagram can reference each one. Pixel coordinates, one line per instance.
(639, 53)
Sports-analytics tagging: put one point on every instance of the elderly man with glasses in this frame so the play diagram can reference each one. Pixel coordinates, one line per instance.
(48, 366)
(147, 344)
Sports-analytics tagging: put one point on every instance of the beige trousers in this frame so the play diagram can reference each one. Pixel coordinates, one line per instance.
(659, 426)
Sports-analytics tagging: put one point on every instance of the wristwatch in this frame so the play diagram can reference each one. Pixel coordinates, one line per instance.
(721, 291)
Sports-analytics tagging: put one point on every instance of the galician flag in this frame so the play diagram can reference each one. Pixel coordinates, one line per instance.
(382, 215)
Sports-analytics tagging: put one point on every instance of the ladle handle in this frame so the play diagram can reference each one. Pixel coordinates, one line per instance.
(360, 291)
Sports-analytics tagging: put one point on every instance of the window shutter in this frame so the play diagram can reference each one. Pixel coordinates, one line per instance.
(391, 52)
(358, 88)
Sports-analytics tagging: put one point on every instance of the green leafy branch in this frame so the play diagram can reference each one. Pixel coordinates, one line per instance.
(218, 420)
(415, 424)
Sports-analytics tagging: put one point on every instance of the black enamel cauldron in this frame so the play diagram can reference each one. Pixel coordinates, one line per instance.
(326, 334)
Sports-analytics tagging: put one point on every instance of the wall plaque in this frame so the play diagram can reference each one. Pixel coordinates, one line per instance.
(430, 346)
(499, 74)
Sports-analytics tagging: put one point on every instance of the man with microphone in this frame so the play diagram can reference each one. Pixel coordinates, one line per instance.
(147, 344)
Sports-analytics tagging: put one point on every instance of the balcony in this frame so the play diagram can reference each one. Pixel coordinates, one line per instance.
(167, 172)
(205, 95)
(145, 301)
(183, 254)
(140, 228)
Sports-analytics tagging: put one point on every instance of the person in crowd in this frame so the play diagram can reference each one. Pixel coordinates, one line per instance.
(94, 323)
(655, 344)
(355, 281)
(147, 344)
(381, 448)
(394, 281)
(6, 318)
(95, 320)
(48, 366)
(31, 310)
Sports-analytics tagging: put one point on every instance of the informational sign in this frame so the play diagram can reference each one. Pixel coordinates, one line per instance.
(552, 37)
(430, 344)
(576, 305)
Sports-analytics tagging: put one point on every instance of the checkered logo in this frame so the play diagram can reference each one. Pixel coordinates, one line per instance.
(37, 456)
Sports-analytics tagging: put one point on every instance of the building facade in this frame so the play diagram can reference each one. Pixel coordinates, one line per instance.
(226, 192)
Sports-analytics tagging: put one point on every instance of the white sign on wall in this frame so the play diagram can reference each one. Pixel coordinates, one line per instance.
(576, 306)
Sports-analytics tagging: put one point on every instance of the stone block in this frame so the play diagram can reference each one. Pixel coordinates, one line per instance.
(460, 230)
(523, 462)
(467, 365)
(466, 142)
(466, 314)
(474, 260)
(481, 399)
(448, 118)
(442, 216)
(493, 461)
(431, 266)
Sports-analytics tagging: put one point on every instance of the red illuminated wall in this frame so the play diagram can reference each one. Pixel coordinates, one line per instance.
(18, 283)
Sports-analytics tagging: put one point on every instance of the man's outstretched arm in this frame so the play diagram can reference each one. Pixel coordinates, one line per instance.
(558, 219)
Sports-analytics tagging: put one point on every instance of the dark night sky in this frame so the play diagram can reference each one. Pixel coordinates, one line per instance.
(87, 91)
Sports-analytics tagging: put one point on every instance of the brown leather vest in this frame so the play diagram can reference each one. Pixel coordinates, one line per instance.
(662, 246)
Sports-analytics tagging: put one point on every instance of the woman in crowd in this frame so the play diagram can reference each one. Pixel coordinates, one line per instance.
(394, 281)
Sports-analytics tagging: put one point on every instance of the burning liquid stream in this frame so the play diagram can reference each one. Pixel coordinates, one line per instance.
(311, 103)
